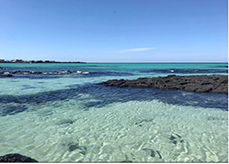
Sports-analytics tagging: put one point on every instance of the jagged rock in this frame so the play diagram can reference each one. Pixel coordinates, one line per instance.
(9, 74)
(5, 74)
(16, 158)
(196, 83)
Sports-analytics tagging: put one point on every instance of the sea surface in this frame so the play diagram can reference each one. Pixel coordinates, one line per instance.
(72, 118)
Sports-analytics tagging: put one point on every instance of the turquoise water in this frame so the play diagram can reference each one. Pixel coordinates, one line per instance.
(70, 118)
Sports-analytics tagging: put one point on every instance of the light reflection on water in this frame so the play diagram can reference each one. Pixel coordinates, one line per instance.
(72, 119)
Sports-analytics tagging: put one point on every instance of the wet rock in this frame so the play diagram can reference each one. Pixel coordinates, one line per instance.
(9, 74)
(196, 83)
(126, 161)
(16, 158)
(5, 74)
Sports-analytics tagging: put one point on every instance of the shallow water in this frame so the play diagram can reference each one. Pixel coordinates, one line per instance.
(70, 118)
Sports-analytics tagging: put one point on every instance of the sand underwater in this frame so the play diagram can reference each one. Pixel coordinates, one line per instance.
(71, 118)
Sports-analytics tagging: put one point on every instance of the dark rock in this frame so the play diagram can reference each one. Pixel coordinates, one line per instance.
(16, 158)
(73, 147)
(126, 161)
(172, 137)
(174, 142)
(9, 74)
(5, 74)
(196, 83)
(178, 135)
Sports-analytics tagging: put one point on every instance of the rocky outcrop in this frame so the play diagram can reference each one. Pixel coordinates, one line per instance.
(51, 73)
(5, 74)
(10, 74)
(197, 83)
(16, 158)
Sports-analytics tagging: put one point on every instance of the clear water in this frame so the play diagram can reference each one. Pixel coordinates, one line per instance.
(70, 118)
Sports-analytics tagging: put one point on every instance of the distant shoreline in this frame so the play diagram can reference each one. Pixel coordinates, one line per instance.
(35, 61)
(53, 61)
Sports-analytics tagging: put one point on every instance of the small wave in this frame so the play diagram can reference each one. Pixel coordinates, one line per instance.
(191, 71)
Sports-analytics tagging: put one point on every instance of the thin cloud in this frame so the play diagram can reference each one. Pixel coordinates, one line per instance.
(135, 50)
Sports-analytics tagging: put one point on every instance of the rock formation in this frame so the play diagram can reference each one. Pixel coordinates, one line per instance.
(16, 158)
(5, 74)
(196, 83)
(10, 74)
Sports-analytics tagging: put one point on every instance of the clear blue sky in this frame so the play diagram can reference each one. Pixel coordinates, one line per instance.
(115, 30)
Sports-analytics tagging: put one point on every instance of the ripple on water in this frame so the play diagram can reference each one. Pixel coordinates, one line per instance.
(134, 131)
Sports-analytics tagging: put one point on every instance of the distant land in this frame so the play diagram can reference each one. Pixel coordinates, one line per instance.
(34, 61)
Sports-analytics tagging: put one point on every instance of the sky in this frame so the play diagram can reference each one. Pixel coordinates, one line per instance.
(114, 30)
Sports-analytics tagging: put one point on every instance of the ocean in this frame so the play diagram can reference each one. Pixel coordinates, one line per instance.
(73, 118)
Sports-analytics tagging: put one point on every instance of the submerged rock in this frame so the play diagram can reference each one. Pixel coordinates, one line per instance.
(6, 75)
(75, 146)
(16, 158)
(196, 83)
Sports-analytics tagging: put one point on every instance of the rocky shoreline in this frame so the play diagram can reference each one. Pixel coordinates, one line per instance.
(10, 74)
(196, 83)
